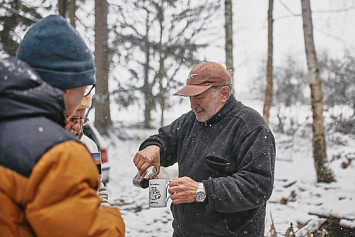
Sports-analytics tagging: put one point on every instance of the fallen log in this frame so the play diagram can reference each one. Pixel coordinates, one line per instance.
(334, 227)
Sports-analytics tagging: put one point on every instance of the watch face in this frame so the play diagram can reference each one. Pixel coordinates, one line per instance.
(200, 196)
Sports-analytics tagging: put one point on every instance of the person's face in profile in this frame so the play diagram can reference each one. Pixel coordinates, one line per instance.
(74, 123)
(208, 103)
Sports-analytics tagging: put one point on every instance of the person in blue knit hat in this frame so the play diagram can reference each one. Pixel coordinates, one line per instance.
(55, 50)
(48, 178)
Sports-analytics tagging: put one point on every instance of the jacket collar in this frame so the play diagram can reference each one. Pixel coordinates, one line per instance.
(222, 112)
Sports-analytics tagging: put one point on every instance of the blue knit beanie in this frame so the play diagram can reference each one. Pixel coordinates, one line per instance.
(55, 50)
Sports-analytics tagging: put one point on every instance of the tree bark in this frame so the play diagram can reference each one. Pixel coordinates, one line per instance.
(161, 63)
(62, 7)
(102, 105)
(269, 73)
(324, 174)
(72, 11)
(229, 38)
(147, 90)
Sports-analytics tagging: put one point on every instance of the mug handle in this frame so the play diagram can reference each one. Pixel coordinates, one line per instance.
(167, 186)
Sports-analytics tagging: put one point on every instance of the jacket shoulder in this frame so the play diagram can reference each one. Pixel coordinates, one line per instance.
(24, 141)
(251, 118)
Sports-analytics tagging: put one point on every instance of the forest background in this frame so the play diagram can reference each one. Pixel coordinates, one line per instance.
(144, 50)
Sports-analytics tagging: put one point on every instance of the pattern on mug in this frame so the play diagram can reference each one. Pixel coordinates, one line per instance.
(154, 194)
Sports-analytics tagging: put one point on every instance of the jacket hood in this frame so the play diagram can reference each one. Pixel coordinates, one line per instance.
(24, 94)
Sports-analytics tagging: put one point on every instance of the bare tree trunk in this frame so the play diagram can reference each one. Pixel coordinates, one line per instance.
(102, 106)
(147, 87)
(229, 38)
(269, 74)
(324, 174)
(162, 99)
(62, 7)
(72, 11)
(161, 63)
(147, 91)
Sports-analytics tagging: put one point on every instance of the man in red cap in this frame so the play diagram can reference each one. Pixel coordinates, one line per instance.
(226, 156)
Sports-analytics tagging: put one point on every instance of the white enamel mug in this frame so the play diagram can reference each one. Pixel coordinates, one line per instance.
(158, 192)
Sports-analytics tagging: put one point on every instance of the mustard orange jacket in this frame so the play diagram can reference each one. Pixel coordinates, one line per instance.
(48, 180)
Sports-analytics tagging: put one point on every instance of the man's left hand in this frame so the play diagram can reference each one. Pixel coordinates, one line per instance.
(182, 190)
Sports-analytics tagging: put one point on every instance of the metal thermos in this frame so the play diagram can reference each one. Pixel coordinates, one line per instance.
(143, 181)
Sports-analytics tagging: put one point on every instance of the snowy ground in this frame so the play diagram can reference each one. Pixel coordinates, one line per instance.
(140, 220)
(295, 199)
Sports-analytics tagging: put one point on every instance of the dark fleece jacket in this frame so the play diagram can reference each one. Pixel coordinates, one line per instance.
(233, 154)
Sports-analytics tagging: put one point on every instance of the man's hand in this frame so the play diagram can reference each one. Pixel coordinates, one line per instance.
(149, 156)
(182, 190)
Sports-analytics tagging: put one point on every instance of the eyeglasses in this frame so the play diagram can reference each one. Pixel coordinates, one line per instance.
(76, 120)
(88, 89)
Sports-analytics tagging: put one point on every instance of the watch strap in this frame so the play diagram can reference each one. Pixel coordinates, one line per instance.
(201, 187)
(200, 190)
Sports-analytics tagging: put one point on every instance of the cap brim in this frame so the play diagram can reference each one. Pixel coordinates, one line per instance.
(192, 90)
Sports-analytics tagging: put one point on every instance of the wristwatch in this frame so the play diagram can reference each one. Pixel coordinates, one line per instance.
(200, 194)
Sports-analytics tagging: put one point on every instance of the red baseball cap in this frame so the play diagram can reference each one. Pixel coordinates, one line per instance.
(203, 76)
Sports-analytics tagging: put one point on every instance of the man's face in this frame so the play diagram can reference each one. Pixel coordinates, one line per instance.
(74, 123)
(207, 104)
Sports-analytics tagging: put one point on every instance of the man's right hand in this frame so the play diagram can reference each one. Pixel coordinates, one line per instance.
(149, 156)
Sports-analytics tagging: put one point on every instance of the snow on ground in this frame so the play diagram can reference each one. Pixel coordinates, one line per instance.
(303, 197)
(297, 197)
